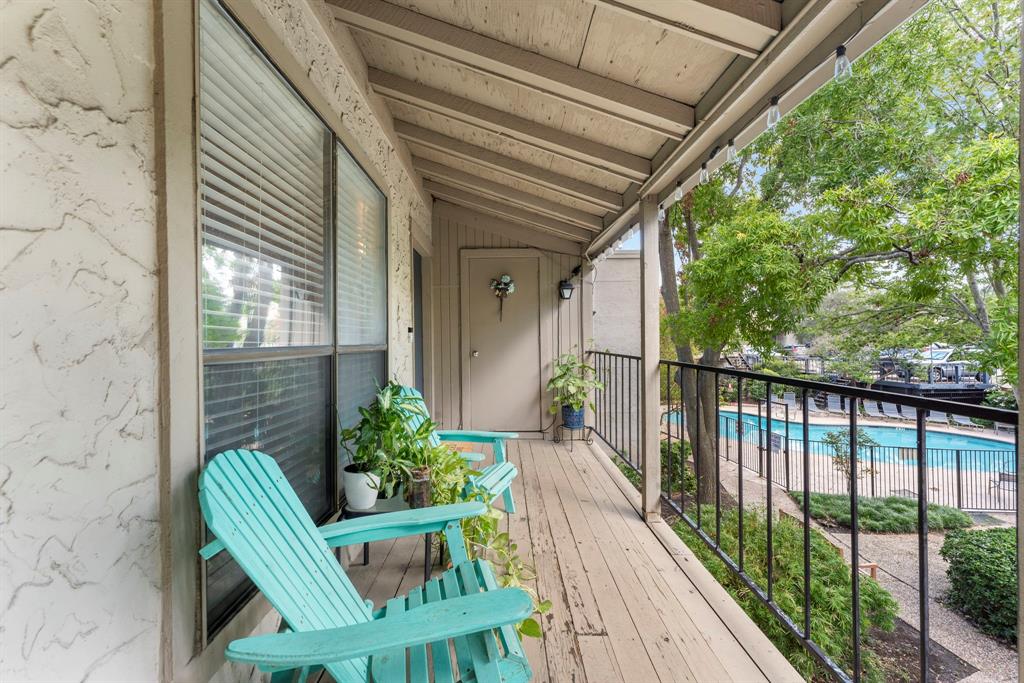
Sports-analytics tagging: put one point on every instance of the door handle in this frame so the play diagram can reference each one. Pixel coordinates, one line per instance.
(476, 354)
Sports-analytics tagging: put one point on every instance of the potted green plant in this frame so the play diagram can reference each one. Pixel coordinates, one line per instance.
(382, 447)
(572, 382)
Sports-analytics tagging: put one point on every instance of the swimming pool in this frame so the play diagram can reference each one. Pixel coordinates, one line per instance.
(976, 452)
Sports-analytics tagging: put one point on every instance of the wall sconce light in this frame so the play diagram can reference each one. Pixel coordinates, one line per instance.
(565, 288)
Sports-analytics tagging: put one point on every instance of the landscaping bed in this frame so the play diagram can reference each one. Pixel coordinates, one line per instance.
(892, 515)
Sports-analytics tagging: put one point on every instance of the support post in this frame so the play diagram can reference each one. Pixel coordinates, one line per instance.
(649, 356)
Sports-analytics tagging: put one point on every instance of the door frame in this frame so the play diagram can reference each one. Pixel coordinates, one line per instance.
(426, 292)
(543, 321)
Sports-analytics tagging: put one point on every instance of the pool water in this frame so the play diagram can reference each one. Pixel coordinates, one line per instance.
(976, 452)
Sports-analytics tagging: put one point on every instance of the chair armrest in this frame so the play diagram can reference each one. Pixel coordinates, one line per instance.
(472, 457)
(398, 524)
(421, 625)
(473, 436)
(383, 526)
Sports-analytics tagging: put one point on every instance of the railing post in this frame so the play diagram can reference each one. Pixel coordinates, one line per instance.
(786, 449)
(649, 356)
(871, 452)
(959, 483)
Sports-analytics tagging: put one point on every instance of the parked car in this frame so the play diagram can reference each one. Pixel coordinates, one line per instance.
(948, 364)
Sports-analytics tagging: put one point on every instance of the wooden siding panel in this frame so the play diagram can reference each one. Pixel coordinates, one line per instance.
(559, 320)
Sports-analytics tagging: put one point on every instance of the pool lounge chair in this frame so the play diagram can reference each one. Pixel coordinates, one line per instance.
(871, 408)
(962, 421)
(938, 416)
(1005, 481)
(789, 399)
(890, 410)
(834, 404)
(909, 412)
(812, 405)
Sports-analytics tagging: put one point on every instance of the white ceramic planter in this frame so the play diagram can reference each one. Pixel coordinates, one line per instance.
(360, 489)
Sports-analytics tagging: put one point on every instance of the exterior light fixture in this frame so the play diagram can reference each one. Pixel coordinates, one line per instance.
(661, 212)
(565, 288)
(844, 68)
(704, 176)
(679, 191)
(730, 152)
(774, 115)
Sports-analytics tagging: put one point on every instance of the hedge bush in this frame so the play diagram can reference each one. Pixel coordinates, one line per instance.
(983, 578)
(831, 589)
(893, 515)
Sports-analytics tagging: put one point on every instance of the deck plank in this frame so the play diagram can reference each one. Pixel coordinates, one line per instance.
(564, 662)
(623, 609)
(641, 644)
(690, 621)
(519, 531)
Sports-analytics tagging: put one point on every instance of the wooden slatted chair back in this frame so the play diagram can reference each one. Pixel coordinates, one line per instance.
(415, 419)
(250, 506)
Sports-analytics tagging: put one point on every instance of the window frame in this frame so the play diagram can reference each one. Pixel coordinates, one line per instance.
(207, 632)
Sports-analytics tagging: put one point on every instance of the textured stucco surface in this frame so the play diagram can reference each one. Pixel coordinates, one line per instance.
(79, 573)
(79, 525)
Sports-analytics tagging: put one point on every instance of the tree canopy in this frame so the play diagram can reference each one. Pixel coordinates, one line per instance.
(883, 210)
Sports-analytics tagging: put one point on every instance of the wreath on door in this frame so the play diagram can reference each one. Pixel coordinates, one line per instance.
(502, 287)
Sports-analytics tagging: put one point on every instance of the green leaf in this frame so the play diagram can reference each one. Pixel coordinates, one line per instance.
(530, 628)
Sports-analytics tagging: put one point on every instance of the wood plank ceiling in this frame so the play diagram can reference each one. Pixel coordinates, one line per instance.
(548, 113)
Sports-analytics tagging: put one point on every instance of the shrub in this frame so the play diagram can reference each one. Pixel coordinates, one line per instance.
(893, 515)
(983, 578)
(685, 475)
(831, 590)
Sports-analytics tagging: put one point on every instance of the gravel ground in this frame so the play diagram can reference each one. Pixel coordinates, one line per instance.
(896, 555)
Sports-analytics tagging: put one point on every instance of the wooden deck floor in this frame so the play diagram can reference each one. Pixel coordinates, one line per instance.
(624, 609)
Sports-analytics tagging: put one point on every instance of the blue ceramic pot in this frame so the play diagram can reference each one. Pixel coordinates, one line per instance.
(572, 419)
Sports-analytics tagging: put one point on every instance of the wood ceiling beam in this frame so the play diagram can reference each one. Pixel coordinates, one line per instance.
(441, 190)
(614, 161)
(525, 69)
(467, 181)
(680, 28)
(598, 197)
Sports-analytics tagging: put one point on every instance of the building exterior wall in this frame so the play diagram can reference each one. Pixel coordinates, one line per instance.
(79, 521)
(456, 229)
(81, 577)
(617, 304)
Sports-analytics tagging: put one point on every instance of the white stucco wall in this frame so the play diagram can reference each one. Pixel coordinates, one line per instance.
(617, 304)
(79, 572)
(79, 522)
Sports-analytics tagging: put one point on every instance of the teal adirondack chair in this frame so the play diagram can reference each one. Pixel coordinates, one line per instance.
(257, 517)
(493, 480)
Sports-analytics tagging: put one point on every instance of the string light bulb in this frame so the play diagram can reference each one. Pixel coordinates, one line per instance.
(844, 67)
(661, 212)
(730, 152)
(704, 176)
(774, 115)
(679, 190)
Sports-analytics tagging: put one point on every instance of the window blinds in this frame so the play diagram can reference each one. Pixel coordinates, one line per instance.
(280, 407)
(262, 198)
(361, 260)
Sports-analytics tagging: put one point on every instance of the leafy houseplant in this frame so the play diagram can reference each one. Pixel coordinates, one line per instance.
(382, 447)
(572, 383)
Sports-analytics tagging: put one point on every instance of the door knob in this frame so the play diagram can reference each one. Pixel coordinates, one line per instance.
(476, 354)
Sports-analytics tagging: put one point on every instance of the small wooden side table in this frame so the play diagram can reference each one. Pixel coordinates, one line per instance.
(393, 504)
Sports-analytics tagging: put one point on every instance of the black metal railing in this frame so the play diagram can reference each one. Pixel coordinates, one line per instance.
(762, 436)
(970, 479)
(617, 408)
